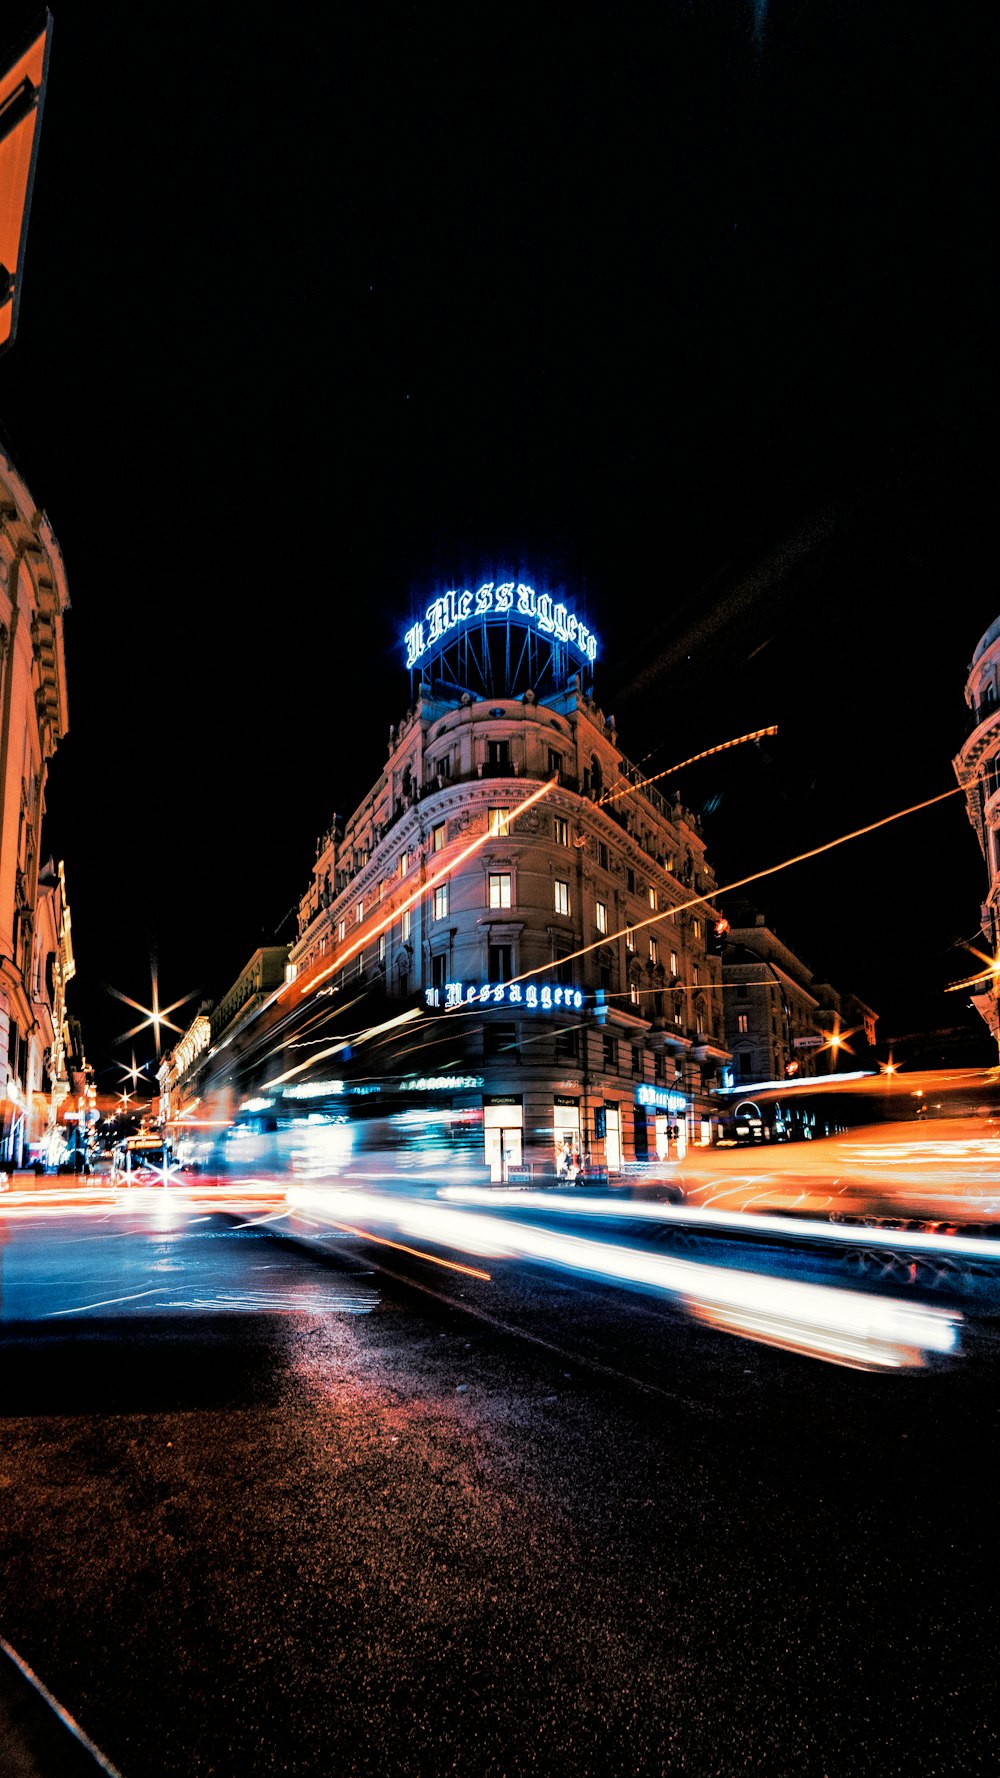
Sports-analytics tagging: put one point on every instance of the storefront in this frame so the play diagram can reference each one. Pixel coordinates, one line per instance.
(566, 1135)
(669, 1110)
(503, 1134)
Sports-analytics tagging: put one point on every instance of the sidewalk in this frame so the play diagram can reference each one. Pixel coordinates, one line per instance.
(38, 1739)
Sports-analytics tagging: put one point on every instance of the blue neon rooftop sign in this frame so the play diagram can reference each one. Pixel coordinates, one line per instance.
(497, 600)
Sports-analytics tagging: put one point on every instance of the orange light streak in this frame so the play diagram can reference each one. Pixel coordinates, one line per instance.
(415, 1252)
(741, 882)
(370, 931)
(612, 796)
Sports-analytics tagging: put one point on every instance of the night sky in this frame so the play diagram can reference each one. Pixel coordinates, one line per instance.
(682, 310)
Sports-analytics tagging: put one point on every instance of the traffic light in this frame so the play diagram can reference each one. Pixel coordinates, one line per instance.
(718, 935)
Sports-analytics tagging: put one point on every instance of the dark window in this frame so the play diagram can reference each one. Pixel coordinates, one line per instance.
(641, 1133)
(555, 761)
(606, 977)
(602, 855)
(659, 1066)
(499, 1038)
(636, 1059)
(563, 969)
(439, 970)
(630, 880)
(498, 753)
(500, 963)
(744, 1065)
(610, 1045)
(566, 1042)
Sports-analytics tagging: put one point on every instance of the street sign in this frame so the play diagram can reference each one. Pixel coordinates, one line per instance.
(807, 1043)
(22, 91)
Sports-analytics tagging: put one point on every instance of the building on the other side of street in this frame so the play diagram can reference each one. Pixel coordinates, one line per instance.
(33, 719)
(199, 1080)
(53, 969)
(503, 949)
(780, 1022)
(511, 874)
(977, 768)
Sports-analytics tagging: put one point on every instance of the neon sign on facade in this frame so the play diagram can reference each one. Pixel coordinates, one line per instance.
(507, 599)
(543, 999)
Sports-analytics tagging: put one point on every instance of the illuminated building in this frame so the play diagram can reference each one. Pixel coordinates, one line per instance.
(977, 768)
(33, 719)
(781, 1023)
(508, 874)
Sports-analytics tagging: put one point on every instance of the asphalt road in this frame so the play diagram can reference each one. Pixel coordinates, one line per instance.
(350, 1512)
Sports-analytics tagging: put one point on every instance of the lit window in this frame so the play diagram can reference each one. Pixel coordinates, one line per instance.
(381, 947)
(561, 897)
(441, 901)
(742, 1023)
(694, 974)
(404, 925)
(696, 926)
(652, 897)
(633, 993)
(359, 912)
(438, 836)
(499, 819)
(341, 931)
(561, 831)
(404, 863)
(630, 938)
(500, 889)
(673, 962)
(602, 916)
(654, 950)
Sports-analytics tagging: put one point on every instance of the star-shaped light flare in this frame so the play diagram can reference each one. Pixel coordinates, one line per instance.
(154, 1016)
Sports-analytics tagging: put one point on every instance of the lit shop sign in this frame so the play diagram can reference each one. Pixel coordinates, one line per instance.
(545, 998)
(660, 1099)
(442, 1083)
(316, 1089)
(493, 600)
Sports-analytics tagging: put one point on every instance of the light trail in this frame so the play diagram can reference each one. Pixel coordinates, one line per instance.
(612, 796)
(770, 870)
(849, 1327)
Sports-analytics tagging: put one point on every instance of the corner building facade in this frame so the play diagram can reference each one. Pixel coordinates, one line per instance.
(512, 876)
(977, 769)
